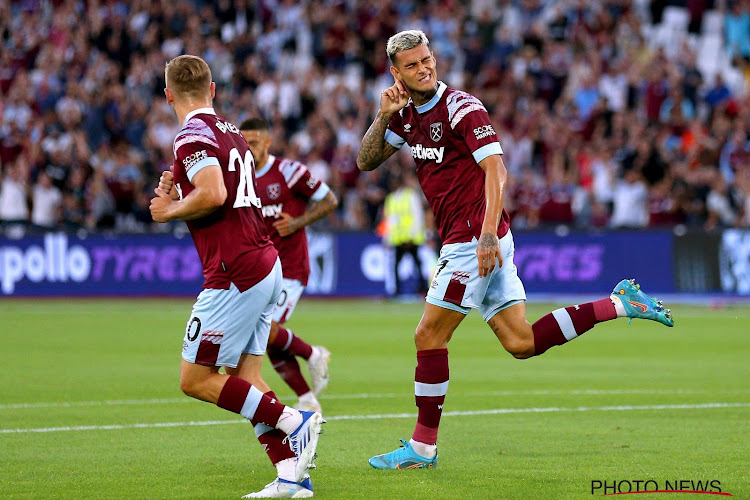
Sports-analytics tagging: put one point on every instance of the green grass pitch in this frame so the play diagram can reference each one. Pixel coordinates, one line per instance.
(620, 403)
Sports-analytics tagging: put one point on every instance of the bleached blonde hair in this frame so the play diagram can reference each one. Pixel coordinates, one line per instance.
(405, 40)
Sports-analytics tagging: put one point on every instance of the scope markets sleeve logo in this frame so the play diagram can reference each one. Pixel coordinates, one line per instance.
(606, 487)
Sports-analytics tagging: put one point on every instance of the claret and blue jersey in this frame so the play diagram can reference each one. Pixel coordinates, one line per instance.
(448, 136)
(287, 186)
(231, 242)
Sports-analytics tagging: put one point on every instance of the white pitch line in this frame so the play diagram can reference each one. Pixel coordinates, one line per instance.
(71, 404)
(496, 411)
(584, 392)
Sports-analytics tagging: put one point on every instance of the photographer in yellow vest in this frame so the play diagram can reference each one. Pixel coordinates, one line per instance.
(405, 224)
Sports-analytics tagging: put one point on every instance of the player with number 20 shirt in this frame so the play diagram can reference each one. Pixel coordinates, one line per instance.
(232, 244)
(212, 188)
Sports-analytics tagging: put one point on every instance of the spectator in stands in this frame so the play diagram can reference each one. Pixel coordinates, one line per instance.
(676, 111)
(735, 155)
(663, 209)
(83, 101)
(46, 201)
(13, 195)
(743, 189)
(721, 204)
(101, 204)
(629, 201)
(737, 30)
(718, 93)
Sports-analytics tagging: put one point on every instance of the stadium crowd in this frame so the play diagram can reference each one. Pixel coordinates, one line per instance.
(600, 126)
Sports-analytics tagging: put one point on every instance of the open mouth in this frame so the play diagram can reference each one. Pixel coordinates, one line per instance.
(425, 78)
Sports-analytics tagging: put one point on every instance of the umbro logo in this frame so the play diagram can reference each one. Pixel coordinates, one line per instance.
(407, 128)
(273, 401)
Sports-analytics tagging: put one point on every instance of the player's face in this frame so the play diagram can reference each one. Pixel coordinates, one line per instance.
(416, 68)
(258, 141)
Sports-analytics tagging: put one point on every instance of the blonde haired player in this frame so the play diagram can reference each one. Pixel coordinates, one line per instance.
(460, 168)
(213, 190)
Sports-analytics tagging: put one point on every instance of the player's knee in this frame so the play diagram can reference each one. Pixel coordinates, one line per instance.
(519, 348)
(428, 337)
(420, 336)
(190, 388)
(273, 332)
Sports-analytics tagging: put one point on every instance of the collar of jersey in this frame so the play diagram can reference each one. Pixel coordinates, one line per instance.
(260, 172)
(431, 103)
(199, 111)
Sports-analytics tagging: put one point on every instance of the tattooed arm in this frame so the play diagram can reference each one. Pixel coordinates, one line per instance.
(488, 247)
(287, 224)
(375, 150)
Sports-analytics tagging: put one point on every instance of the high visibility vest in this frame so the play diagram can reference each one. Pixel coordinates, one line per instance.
(404, 226)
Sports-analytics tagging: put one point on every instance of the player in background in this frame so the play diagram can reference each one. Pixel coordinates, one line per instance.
(460, 168)
(285, 187)
(213, 190)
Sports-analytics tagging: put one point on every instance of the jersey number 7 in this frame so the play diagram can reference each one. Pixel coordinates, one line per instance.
(246, 189)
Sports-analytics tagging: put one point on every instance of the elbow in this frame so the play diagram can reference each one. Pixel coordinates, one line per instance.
(365, 166)
(334, 202)
(217, 197)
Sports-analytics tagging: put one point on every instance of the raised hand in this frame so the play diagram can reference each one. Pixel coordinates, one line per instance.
(393, 98)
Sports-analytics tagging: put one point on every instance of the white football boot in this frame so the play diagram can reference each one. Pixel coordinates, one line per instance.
(304, 440)
(308, 402)
(318, 366)
(281, 488)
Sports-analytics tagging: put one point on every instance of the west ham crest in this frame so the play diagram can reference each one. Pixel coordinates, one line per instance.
(274, 190)
(436, 131)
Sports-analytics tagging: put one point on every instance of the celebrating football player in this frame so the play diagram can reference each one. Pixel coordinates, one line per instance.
(460, 168)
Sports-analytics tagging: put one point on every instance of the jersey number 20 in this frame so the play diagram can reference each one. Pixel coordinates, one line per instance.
(246, 189)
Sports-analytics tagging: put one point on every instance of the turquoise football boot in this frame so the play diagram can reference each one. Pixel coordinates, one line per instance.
(639, 305)
(403, 458)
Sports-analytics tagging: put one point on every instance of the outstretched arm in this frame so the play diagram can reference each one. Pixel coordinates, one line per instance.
(375, 150)
(495, 181)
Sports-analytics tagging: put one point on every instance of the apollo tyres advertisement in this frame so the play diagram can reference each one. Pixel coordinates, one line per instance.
(342, 264)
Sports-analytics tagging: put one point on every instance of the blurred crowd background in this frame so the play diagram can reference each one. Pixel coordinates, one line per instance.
(613, 113)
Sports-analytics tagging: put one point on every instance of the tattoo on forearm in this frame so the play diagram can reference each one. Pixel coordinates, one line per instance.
(318, 210)
(371, 151)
